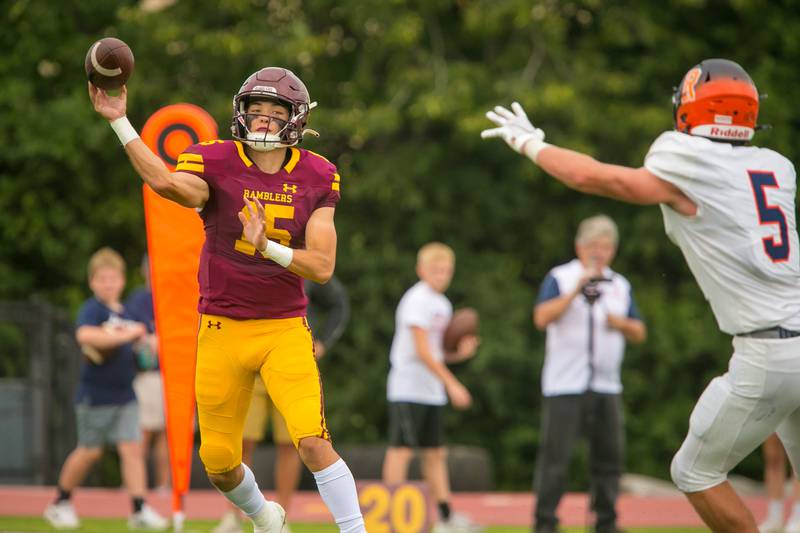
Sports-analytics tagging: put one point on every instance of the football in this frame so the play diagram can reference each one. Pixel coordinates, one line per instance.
(465, 321)
(95, 355)
(109, 63)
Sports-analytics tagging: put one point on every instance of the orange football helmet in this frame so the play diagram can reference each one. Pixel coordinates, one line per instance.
(716, 99)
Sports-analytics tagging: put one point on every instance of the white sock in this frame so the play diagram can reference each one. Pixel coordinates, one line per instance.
(338, 490)
(246, 495)
(775, 510)
(795, 516)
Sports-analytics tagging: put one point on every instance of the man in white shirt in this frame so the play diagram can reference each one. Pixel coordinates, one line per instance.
(730, 207)
(589, 313)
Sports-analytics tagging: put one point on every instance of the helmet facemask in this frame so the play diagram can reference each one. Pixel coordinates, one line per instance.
(290, 132)
(262, 141)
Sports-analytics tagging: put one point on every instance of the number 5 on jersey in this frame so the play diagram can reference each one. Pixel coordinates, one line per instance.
(272, 212)
(778, 250)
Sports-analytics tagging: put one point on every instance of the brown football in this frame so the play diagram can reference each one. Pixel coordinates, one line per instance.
(465, 321)
(95, 355)
(109, 63)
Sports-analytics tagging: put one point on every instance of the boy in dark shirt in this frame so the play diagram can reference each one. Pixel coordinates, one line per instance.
(105, 404)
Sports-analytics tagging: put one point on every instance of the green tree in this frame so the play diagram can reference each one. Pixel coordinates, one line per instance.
(402, 87)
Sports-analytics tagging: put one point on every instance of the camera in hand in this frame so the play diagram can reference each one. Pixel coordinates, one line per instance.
(591, 289)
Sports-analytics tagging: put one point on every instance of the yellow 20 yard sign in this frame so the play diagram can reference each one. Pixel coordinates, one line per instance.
(394, 509)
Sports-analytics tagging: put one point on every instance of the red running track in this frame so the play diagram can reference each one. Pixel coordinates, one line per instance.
(497, 508)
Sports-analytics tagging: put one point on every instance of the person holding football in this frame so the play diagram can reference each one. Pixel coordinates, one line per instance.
(420, 384)
(106, 410)
(730, 207)
(268, 212)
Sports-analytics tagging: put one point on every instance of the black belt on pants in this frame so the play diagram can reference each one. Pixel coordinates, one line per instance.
(771, 333)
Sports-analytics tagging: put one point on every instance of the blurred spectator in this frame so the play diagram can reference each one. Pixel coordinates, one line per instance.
(775, 481)
(589, 313)
(148, 382)
(328, 312)
(420, 383)
(106, 409)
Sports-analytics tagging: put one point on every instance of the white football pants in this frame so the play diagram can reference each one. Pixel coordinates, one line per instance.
(758, 395)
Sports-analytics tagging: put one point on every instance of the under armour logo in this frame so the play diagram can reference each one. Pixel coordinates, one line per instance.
(218, 325)
(289, 188)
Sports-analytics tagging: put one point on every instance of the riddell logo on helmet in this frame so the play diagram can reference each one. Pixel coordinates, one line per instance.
(737, 133)
(733, 133)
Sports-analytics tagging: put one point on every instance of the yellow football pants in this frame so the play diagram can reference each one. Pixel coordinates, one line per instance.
(230, 354)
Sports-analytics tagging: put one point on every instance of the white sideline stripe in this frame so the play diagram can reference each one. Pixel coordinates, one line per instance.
(100, 68)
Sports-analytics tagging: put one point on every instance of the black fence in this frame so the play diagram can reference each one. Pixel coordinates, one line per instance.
(39, 361)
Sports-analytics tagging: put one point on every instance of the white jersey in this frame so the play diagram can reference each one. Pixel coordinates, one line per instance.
(742, 244)
(409, 379)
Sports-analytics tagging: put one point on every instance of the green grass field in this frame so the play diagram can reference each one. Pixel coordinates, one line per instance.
(14, 524)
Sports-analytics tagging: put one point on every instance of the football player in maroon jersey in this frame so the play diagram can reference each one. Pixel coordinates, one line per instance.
(267, 208)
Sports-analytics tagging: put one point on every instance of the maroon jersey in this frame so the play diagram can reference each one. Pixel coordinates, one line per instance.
(235, 279)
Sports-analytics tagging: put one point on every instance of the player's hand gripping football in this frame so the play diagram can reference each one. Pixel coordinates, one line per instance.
(516, 130)
(109, 107)
(467, 347)
(254, 223)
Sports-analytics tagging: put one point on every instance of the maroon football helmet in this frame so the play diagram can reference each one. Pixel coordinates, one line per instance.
(280, 85)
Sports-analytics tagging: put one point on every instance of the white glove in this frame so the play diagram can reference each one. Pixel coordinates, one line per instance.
(516, 130)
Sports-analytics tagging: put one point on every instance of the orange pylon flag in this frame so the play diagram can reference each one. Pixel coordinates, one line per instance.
(174, 239)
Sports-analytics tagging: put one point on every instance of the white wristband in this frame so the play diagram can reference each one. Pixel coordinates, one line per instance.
(532, 148)
(122, 127)
(279, 253)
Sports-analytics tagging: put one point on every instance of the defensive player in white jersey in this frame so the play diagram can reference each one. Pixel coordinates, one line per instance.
(730, 208)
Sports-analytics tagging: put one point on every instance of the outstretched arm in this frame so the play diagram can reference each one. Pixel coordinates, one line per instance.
(183, 188)
(633, 185)
(580, 171)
